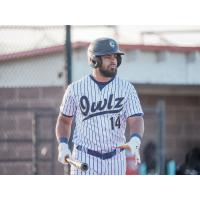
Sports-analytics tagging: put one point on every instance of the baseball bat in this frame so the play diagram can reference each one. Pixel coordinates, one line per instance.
(80, 165)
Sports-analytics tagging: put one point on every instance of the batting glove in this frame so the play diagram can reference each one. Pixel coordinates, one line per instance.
(63, 152)
(134, 146)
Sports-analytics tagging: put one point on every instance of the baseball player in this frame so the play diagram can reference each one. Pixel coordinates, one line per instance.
(102, 105)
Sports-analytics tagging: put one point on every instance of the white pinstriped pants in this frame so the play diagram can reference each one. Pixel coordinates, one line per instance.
(112, 166)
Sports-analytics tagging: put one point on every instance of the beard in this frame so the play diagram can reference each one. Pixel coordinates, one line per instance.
(108, 73)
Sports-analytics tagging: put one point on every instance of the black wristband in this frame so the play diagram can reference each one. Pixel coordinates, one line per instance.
(136, 135)
(63, 140)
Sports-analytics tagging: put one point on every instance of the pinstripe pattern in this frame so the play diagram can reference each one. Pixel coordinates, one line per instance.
(113, 166)
(101, 116)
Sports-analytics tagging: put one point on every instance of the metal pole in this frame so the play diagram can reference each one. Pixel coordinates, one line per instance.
(68, 50)
(161, 137)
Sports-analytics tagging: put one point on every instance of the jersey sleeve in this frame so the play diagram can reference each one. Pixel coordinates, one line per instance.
(132, 105)
(68, 106)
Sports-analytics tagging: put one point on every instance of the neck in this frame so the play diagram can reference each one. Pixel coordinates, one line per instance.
(98, 77)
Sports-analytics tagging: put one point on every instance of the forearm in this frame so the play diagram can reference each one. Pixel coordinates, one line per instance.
(136, 125)
(136, 131)
(63, 131)
(63, 127)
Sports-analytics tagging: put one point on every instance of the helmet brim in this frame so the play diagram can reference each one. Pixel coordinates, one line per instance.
(104, 54)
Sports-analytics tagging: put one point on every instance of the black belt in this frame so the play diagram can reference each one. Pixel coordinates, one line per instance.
(102, 156)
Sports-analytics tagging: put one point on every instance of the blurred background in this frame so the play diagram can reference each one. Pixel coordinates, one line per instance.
(38, 62)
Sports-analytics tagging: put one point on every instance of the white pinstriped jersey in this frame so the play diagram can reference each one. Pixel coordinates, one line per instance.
(101, 114)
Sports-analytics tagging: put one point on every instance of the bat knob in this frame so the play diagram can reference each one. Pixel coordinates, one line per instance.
(84, 167)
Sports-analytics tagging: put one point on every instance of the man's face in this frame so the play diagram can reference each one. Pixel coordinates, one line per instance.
(109, 65)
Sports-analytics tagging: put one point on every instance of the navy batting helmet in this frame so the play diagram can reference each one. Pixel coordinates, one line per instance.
(101, 47)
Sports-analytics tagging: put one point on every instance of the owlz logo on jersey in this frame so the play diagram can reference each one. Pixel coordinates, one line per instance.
(101, 107)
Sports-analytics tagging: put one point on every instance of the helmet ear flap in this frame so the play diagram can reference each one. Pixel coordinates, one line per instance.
(96, 61)
(119, 60)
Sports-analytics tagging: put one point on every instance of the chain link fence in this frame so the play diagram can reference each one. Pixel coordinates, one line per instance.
(32, 56)
(32, 80)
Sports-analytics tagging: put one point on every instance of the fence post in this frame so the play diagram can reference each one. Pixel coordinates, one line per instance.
(68, 50)
(161, 136)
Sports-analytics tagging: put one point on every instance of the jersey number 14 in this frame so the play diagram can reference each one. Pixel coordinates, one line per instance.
(115, 123)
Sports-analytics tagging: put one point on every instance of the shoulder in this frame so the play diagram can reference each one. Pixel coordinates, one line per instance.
(124, 82)
(127, 86)
(79, 82)
(75, 86)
